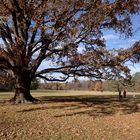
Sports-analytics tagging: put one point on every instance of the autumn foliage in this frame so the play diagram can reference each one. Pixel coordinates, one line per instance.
(66, 35)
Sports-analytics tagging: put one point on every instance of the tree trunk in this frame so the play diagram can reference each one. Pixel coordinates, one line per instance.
(22, 89)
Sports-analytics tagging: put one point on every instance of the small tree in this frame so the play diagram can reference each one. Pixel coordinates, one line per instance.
(37, 31)
(98, 86)
(136, 81)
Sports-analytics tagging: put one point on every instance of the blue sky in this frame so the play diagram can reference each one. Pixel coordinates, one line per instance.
(115, 40)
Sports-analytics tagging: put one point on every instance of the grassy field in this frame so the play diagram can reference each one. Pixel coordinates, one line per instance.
(71, 115)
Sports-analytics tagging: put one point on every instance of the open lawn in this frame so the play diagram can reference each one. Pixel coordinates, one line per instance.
(71, 115)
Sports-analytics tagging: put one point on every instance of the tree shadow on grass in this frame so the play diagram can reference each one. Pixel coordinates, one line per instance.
(97, 106)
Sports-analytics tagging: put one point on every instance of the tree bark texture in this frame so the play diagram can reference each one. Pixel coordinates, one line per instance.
(22, 89)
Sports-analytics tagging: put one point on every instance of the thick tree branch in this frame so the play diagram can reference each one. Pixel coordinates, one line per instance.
(54, 79)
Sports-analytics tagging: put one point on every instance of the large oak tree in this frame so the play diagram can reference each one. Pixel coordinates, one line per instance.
(64, 35)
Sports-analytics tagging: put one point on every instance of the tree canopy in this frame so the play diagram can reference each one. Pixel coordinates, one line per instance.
(66, 35)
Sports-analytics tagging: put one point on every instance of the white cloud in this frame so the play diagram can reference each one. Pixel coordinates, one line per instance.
(134, 68)
(133, 40)
(110, 37)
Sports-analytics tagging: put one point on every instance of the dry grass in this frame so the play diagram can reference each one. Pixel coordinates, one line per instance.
(72, 115)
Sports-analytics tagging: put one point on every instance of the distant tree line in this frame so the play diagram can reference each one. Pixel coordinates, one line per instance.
(97, 85)
(73, 85)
